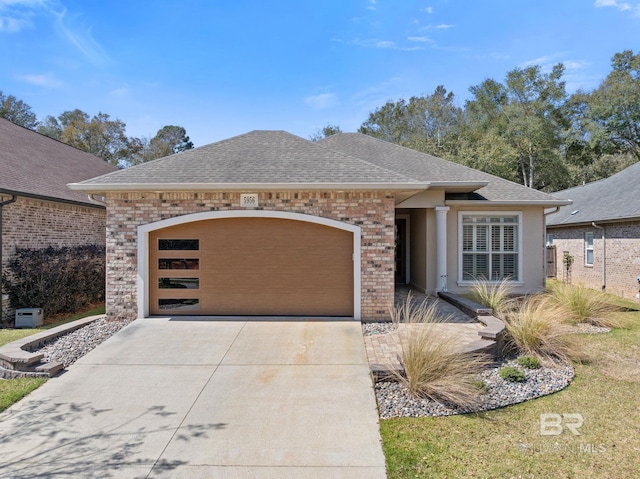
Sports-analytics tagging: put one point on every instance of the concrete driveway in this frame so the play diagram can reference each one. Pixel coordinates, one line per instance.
(204, 399)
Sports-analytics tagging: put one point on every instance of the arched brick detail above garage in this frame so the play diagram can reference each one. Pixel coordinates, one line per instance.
(249, 262)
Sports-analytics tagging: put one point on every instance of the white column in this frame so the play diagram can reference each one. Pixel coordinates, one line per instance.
(441, 248)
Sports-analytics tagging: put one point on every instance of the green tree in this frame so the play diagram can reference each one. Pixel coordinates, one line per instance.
(527, 113)
(170, 139)
(429, 123)
(99, 135)
(17, 111)
(325, 132)
(614, 107)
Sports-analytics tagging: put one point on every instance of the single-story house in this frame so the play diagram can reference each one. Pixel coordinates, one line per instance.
(601, 232)
(268, 223)
(37, 209)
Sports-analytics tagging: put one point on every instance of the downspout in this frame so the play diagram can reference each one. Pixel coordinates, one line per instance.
(545, 214)
(3, 203)
(96, 202)
(604, 254)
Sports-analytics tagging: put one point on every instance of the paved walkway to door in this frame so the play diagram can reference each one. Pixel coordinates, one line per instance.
(199, 399)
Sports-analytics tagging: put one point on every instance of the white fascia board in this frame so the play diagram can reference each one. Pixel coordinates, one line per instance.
(483, 203)
(103, 188)
(467, 185)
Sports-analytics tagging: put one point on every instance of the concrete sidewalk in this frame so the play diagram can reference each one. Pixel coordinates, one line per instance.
(202, 399)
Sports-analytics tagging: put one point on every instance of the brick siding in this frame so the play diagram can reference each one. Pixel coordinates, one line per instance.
(372, 211)
(622, 261)
(34, 223)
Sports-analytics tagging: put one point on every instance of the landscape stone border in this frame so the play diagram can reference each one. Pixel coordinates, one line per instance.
(17, 359)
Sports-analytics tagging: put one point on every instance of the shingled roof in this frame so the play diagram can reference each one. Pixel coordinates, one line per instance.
(611, 199)
(280, 160)
(430, 168)
(36, 165)
(270, 158)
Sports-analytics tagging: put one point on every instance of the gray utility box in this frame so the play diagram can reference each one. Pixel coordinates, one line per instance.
(29, 317)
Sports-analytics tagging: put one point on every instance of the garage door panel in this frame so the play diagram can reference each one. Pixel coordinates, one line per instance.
(284, 305)
(256, 266)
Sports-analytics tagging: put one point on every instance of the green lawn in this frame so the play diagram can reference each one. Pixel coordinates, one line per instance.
(507, 443)
(12, 390)
(8, 335)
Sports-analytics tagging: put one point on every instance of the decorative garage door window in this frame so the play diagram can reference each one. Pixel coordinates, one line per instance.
(178, 263)
(490, 247)
(178, 244)
(177, 275)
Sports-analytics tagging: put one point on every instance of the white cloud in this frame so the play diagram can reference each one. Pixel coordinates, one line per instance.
(538, 61)
(427, 10)
(46, 80)
(119, 92)
(444, 26)
(322, 101)
(575, 64)
(420, 39)
(622, 6)
(12, 25)
(82, 39)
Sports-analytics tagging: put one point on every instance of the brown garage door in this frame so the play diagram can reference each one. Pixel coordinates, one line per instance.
(251, 266)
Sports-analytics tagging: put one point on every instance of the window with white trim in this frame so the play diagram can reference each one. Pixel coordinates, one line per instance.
(588, 249)
(490, 247)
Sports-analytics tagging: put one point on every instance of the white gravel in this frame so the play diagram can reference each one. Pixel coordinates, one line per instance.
(395, 401)
(69, 348)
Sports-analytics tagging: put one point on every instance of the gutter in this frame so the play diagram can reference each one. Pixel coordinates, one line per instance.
(548, 203)
(2, 204)
(45, 198)
(604, 254)
(166, 187)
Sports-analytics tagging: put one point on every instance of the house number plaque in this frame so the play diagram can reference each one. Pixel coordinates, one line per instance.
(249, 200)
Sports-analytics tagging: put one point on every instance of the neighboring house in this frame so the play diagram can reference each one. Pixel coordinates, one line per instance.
(38, 209)
(267, 223)
(601, 231)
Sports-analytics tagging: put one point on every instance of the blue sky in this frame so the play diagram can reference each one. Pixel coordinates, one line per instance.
(222, 68)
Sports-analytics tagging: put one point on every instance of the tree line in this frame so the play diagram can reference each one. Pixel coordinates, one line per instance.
(526, 128)
(99, 135)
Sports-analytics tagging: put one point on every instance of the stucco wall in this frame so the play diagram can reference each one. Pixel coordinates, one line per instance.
(622, 259)
(532, 232)
(34, 223)
(373, 212)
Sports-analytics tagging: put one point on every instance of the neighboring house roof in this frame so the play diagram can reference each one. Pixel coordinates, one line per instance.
(611, 199)
(36, 165)
(280, 160)
(433, 169)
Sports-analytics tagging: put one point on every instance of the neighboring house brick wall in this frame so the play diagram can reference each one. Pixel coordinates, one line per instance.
(622, 261)
(35, 223)
(372, 211)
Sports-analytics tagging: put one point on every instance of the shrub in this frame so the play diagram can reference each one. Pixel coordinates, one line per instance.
(529, 362)
(510, 373)
(494, 295)
(432, 367)
(580, 304)
(535, 329)
(59, 280)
